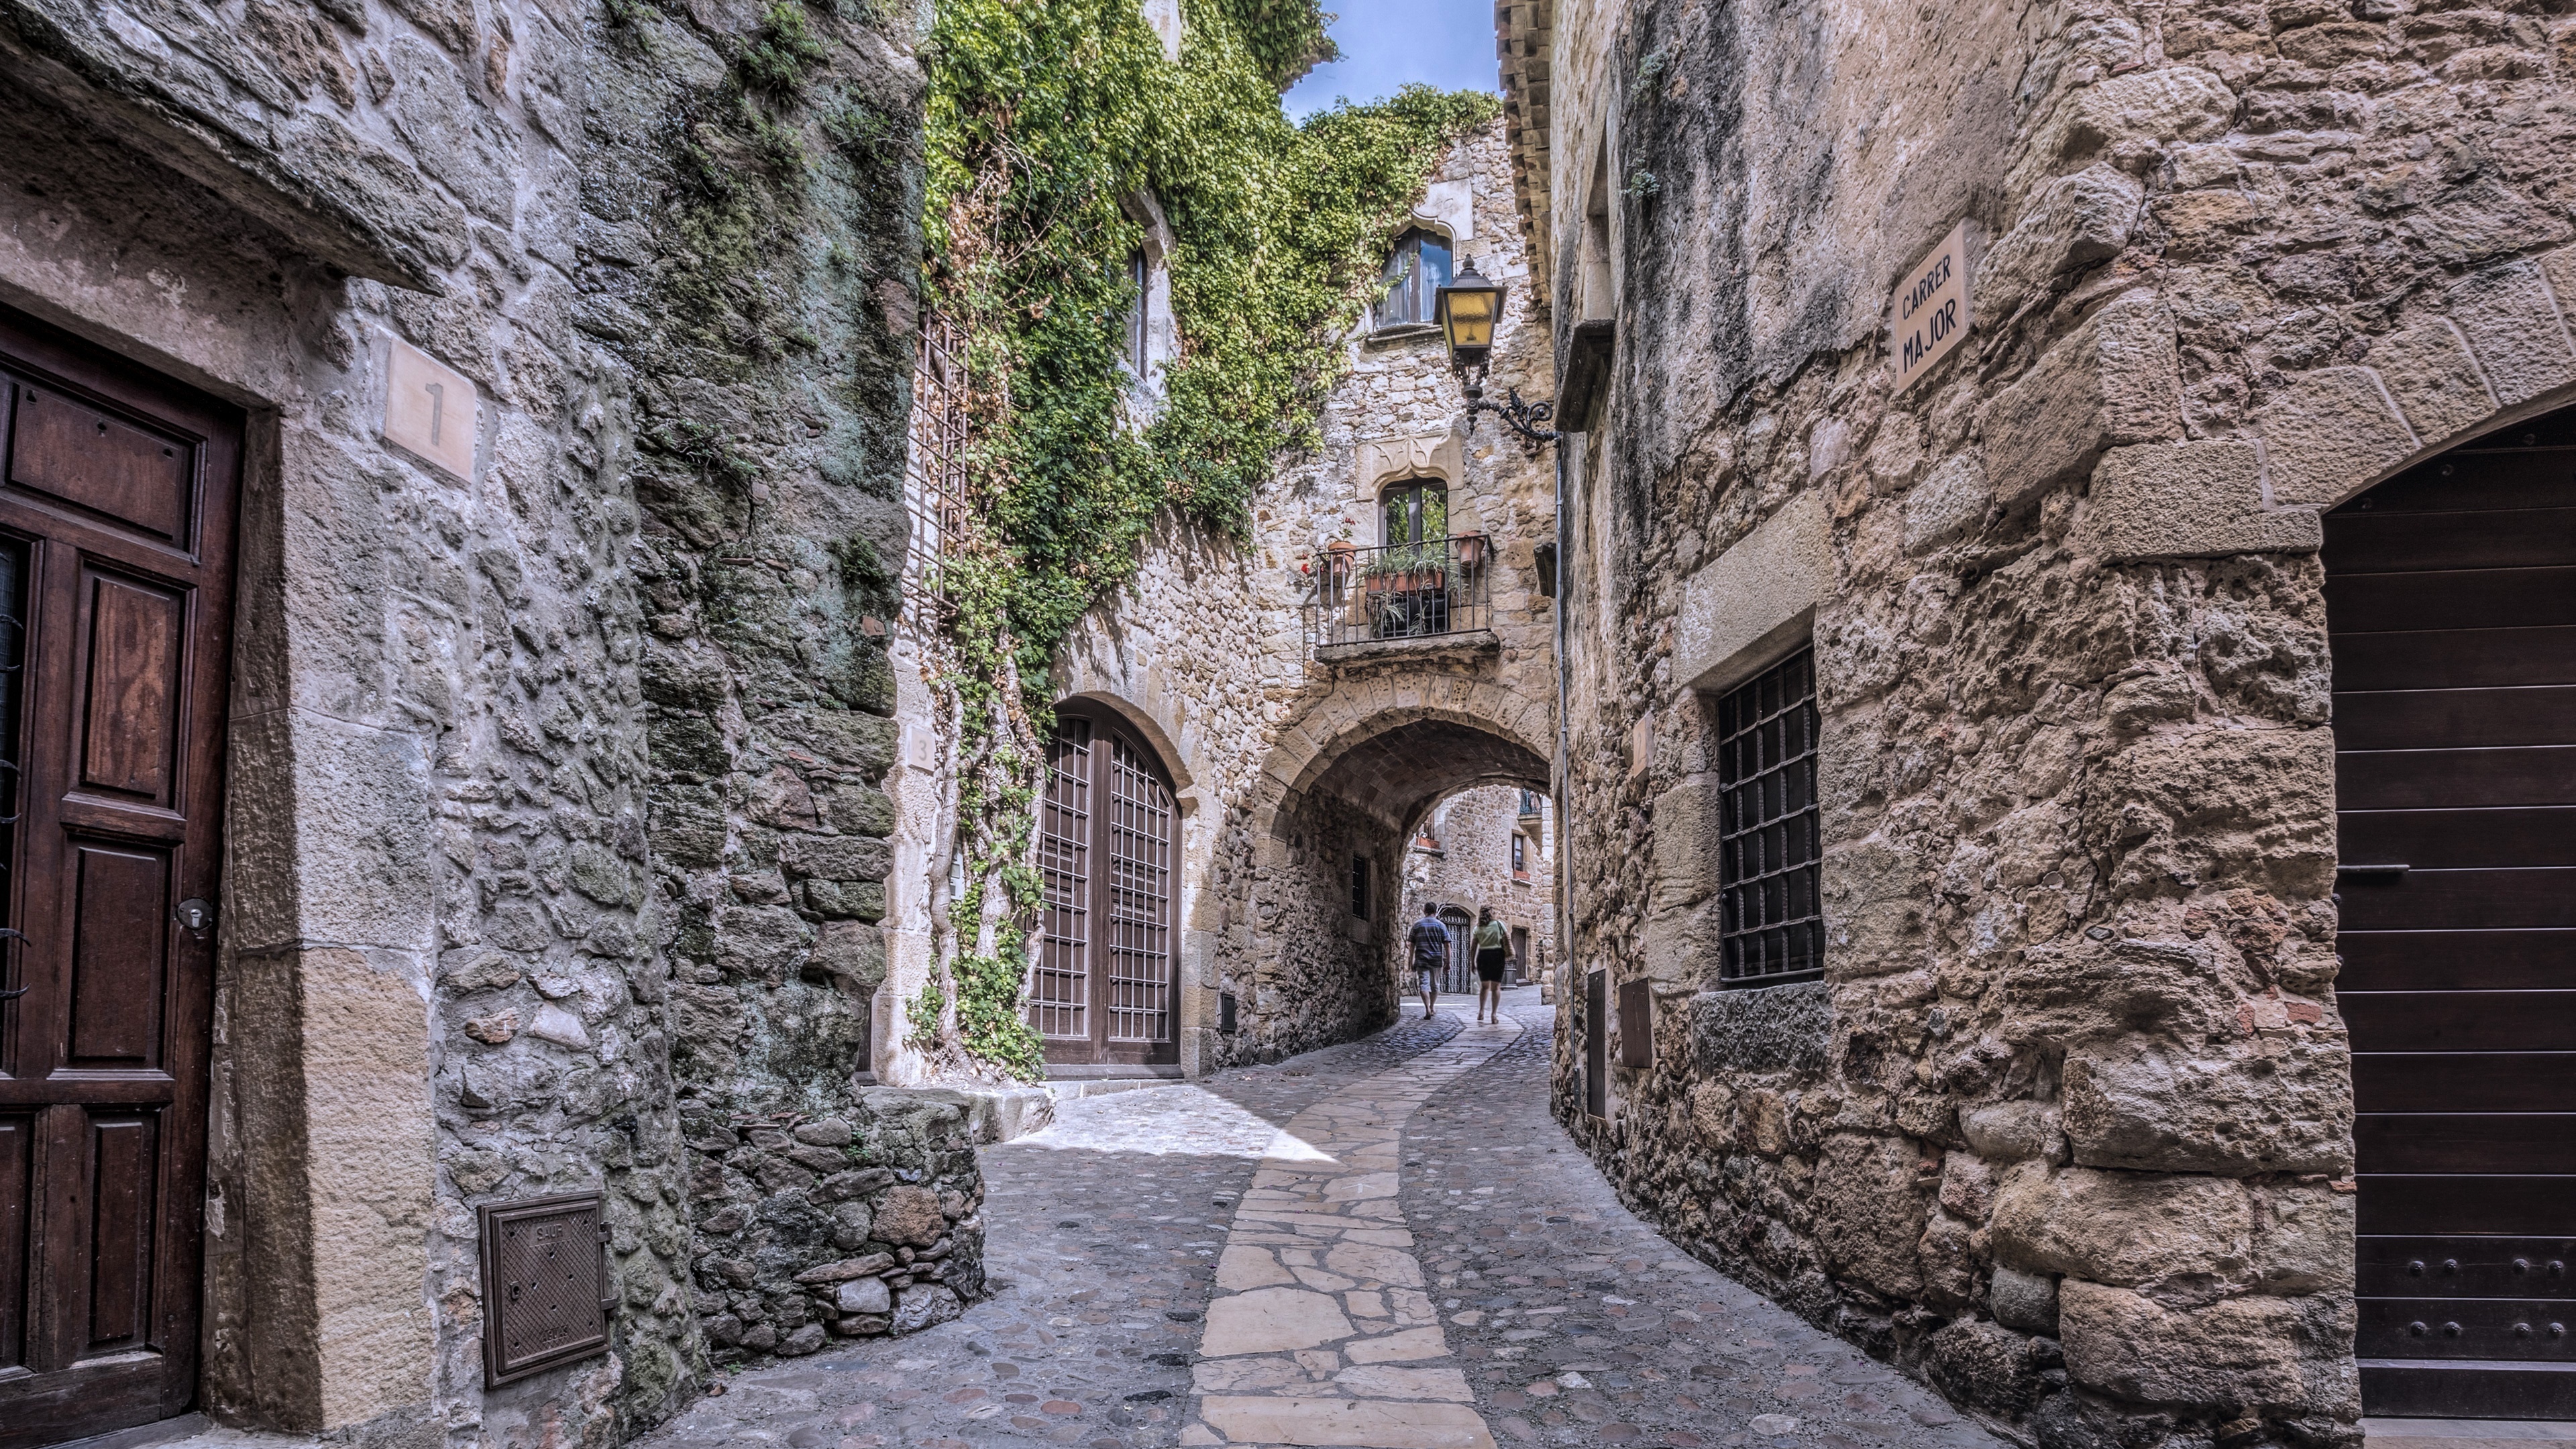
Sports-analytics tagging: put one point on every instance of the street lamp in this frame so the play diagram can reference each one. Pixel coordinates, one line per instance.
(1466, 310)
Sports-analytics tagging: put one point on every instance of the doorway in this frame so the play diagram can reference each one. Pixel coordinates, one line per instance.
(2451, 606)
(1107, 987)
(117, 505)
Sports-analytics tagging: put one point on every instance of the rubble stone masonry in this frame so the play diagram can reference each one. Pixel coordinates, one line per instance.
(2066, 1128)
(556, 835)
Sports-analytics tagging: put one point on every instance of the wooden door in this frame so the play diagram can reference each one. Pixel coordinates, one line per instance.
(1107, 987)
(116, 516)
(2451, 597)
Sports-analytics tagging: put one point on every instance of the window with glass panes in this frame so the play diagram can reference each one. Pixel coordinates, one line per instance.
(1773, 928)
(1415, 272)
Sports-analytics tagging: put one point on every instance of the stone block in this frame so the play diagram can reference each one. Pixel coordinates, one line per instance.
(2072, 223)
(909, 1217)
(1870, 1212)
(2514, 328)
(2303, 1239)
(863, 1295)
(2130, 1229)
(836, 857)
(2106, 990)
(2235, 1106)
(2155, 107)
(853, 954)
(2008, 1132)
(2437, 385)
(2186, 500)
(1874, 898)
(1772, 1029)
(2026, 1301)
(1686, 823)
(2241, 1354)
(1748, 603)
(1948, 505)
(1988, 1366)
(1680, 946)
(2112, 381)
(2329, 432)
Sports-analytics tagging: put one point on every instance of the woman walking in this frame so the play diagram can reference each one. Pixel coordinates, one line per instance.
(1493, 948)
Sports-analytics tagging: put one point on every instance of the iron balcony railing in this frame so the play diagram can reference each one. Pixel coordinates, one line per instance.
(1402, 591)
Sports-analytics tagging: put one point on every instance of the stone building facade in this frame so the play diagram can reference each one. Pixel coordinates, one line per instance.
(1490, 848)
(1301, 766)
(560, 355)
(2056, 1102)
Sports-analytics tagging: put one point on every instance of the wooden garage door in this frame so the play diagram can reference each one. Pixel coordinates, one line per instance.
(116, 516)
(2451, 596)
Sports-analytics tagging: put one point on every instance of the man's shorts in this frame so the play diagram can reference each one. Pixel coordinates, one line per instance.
(1426, 980)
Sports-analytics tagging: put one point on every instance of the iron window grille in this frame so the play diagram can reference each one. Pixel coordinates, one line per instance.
(1360, 886)
(1773, 928)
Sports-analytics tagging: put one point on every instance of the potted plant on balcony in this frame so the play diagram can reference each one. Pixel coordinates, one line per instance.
(1407, 568)
(1341, 560)
(1471, 549)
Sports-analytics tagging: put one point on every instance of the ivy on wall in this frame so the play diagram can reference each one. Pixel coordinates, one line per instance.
(1043, 120)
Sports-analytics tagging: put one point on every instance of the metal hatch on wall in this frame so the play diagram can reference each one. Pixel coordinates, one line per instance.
(2451, 608)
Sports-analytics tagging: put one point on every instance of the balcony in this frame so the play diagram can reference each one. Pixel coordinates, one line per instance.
(1406, 600)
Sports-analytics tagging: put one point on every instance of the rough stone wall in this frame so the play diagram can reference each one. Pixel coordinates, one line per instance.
(478, 942)
(1473, 867)
(2067, 1128)
(773, 384)
(1208, 651)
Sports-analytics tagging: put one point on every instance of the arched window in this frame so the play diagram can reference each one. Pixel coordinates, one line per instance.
(1412, 510)
(1108, 985)
(1415, 273)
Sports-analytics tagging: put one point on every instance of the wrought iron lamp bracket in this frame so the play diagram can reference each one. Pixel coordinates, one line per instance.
(1528, 419)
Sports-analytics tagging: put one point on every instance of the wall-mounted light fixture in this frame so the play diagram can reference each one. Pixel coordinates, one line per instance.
(1467, 310)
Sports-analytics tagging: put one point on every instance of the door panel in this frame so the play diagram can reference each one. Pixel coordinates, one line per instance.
(130, 706)
(116, 523)
(1108, 983)
(120, 944)
(2450, 594)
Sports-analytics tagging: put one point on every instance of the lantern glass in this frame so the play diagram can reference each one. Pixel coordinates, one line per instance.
(1466, 312)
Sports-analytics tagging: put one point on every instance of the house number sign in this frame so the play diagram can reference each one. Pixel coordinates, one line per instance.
(430, 409)
(1929, 314)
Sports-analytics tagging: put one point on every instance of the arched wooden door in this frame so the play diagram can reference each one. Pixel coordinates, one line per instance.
(2451, 604)
(1108, 977)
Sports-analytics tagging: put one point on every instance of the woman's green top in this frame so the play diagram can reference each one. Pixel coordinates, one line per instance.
(1490, 937)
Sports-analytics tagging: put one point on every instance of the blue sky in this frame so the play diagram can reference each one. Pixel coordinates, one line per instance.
(1385, 43)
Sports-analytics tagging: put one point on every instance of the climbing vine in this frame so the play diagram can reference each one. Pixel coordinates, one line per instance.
(1045, 121)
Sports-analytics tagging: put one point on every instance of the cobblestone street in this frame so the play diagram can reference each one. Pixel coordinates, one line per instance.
(1561, 1318)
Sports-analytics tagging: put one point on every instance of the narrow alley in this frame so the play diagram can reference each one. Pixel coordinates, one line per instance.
(1387, 1243)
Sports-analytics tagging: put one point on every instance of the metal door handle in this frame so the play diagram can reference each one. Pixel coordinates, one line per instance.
(2373, 872)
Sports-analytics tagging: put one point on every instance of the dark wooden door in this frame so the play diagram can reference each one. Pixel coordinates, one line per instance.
(116, 514)
(1107, 987)
(2451, 597)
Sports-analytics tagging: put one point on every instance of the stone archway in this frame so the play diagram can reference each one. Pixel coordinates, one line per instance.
(1322, 921)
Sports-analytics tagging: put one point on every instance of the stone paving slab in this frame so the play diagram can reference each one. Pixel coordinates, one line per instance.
(1576, 1323)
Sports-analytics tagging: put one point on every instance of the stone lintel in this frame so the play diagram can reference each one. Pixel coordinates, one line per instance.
(1754, 600)
(1467, 644)
(2187, 500)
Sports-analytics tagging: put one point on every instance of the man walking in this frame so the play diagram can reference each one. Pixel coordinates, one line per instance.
(1430, 952)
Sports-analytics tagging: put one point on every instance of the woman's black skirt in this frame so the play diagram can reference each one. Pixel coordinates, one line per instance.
(1489, 964)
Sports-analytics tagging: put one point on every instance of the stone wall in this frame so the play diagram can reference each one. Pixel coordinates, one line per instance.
(1473, 866)
(1287, 765)
(2067, 1126)
(555, 829)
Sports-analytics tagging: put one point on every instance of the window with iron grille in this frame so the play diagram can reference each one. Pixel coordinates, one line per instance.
(1360, 886)
(1520, 854)
(1773, 928)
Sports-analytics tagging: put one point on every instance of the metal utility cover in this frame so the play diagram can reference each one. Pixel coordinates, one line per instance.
(546, 1286)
